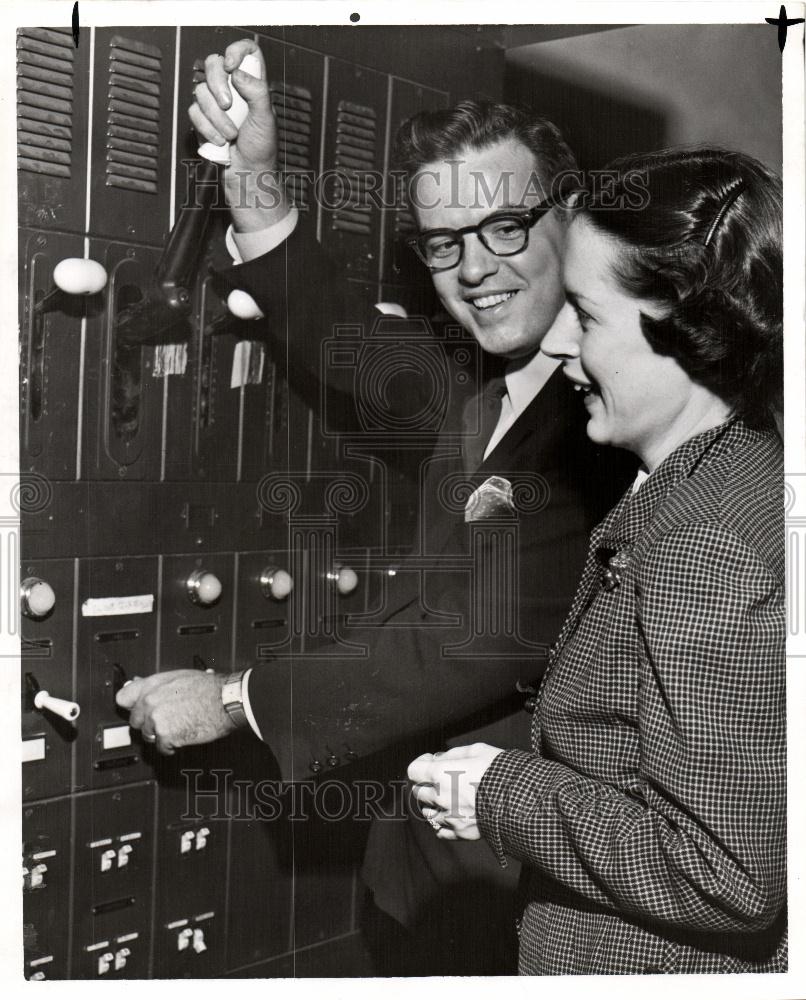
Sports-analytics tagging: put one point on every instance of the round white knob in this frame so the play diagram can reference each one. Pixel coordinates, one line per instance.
(236, 112)
(37, 598)
(58, 706)
(243, 306)
(345, 578)
(78, 276)
(204, 587)
(276, 583)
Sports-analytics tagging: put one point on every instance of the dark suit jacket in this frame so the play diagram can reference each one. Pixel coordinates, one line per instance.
(650, 814)
(419, 676)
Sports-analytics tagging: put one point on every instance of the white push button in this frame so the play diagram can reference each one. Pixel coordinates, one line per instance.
(107, 859)
(203, 587)
(276, 583)
(105, 962)
(201, 838)
(198, 941)
(37, 598)
(78, 276)
(186, 841)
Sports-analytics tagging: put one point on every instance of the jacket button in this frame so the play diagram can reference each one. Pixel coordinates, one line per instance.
(315, 766)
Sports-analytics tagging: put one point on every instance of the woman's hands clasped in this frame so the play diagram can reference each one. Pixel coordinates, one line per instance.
(445, 786)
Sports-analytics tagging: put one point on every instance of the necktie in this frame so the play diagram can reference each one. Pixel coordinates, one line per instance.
(479, 420)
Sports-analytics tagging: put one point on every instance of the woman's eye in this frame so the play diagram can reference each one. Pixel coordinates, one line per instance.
(583, 318)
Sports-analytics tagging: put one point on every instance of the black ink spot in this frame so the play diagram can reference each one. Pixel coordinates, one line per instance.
(355, 18)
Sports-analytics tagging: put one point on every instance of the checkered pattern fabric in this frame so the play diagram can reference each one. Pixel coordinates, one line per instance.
(650, 813)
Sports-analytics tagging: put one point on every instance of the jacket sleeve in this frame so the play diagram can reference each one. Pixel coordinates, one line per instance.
(321, 329)
(697, 837)
(395, 682)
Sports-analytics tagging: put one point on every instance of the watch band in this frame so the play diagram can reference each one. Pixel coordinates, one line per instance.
(232, 699)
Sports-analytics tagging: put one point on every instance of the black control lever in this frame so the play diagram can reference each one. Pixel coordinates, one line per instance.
(160, 316)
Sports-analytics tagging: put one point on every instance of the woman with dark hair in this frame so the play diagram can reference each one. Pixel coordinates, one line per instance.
(650, 812)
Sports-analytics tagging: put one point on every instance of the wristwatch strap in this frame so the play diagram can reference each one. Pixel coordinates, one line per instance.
(232, 699)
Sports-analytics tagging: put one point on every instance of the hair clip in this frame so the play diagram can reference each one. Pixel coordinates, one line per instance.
(729, 199)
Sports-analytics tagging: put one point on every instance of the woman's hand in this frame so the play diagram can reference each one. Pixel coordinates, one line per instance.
(445, 786)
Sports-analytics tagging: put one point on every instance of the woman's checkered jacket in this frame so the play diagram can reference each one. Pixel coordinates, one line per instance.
(651, 812)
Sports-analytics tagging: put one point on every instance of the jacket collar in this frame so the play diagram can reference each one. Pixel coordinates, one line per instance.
(635, 510)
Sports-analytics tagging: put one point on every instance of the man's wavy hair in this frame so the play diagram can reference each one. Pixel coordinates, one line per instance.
(431, 136)
(708, 246)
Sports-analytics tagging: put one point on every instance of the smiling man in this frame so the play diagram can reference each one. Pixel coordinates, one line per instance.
(480, 176)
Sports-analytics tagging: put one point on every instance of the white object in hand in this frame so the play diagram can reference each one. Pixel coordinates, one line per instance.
(237, 113)
(79, 276)
(58, 706)
(242, 305)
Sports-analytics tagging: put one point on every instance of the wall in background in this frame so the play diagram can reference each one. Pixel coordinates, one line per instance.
(644, 86)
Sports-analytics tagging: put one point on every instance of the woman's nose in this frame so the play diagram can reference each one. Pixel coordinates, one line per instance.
(477, 261)
(562, 339)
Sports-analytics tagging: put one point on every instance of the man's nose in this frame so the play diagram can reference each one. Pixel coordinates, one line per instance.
(562, 339)
(477, 261)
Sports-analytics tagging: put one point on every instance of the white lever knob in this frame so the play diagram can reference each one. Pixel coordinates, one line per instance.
(58, 706)
(236, 112)
(37, 598)
(345, 578)
(243, 306)
(204, 587)
(276, 583)
(78, 276)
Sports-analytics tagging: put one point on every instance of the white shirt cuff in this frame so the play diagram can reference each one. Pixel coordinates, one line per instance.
(250, 715)
(247, 246)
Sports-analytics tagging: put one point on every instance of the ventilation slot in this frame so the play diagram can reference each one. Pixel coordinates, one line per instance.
(292, 108)
(45, 100)
(355, 157)
(405, 226)
(133, 115)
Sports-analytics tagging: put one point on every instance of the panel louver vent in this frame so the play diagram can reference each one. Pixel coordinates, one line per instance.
(355, 156)
(133, 116)
(293, 110)
(45, 100)
(405, 225)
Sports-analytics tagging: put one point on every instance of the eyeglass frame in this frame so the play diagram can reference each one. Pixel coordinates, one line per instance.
(529, 218)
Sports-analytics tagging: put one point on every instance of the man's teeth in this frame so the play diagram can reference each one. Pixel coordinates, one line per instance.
(487, 301)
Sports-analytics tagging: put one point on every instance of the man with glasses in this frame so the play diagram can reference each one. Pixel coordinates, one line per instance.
(480, 182)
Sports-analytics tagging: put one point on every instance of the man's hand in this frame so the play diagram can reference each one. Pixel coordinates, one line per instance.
(179, 707)
(445, 785)
(253, 154)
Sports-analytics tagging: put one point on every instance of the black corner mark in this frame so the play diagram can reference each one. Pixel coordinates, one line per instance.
(76, 27)
(783, 23)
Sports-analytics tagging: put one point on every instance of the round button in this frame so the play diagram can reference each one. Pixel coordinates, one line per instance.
(204, 587)
(78, 276)
(37, 598)
(345, 578)
(276, 583)
(243, 306)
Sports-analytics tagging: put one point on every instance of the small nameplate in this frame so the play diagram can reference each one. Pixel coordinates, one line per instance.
(33, 749)
(101, 607)
(117, 736)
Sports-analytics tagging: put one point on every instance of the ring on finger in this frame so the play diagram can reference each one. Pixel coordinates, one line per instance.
(149, 737)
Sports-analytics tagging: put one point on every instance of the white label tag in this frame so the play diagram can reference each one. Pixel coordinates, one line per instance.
(117, 736)
(98, 607)
(170, 359)
(247, 363)
(33, 749)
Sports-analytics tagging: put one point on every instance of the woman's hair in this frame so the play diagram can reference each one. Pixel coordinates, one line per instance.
(431, 136)
(705, 242)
